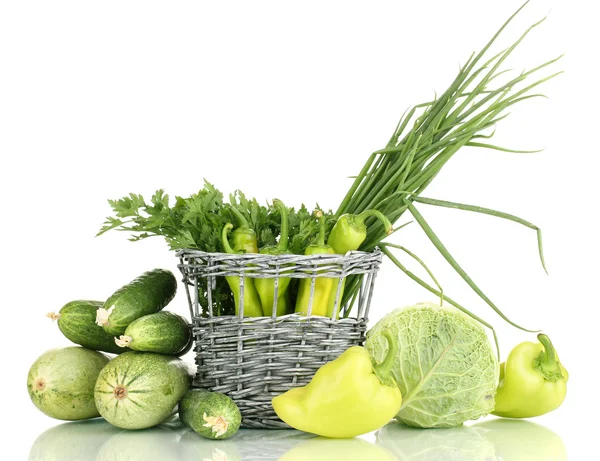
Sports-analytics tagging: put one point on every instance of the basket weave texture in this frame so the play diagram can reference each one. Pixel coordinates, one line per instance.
(253, 359)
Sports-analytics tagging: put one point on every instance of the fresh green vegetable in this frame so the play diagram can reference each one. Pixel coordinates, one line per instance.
(61, 382)
(163, 332)
(348, 396)
(427, 136)
(391, 181)
(197, 222)
(74, 441)
(252, 306)
(210, 414)
(348, 234)
(323, 285)
(350, 231)
(147, 294)
(445, 366)
(266, 287)
(77, 321)
(533, 382)
(244, 237)
(138, 390)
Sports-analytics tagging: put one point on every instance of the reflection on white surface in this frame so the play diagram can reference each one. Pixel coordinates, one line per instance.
(461, 443)
(247, 444)
(520, 440)
(157, 443)
(72, 441)
(99, 441)
(494, 440)
(323, 449)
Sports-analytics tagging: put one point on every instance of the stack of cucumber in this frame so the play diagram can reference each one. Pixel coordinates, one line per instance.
(143, 386)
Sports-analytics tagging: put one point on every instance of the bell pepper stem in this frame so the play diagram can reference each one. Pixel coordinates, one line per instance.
(240, 217)
(321, 240)
(360, 218)
(383, 369)
(225, 240)
(284, 234)
(547, 363)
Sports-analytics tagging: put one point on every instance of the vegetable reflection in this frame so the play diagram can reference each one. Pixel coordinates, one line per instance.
(158, 443)
(453, 444)
(324, 449)
(494, 440)
(72, 441)
(247, 444)
(518, 440)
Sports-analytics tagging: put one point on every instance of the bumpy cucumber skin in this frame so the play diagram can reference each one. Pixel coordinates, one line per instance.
(61, 382)
(147, 294)
(198, 402)
(137, 390)
(77, 322)
(163, 332)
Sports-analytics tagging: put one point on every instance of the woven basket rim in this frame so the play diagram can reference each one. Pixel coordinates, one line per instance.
(293, 317)
(350, 256)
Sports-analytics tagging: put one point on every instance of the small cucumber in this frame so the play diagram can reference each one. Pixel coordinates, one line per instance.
(77, 321)
(147, 294)
(210, 414)
(163, 332)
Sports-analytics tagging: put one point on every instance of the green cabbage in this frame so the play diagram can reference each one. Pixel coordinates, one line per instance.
(446, 368)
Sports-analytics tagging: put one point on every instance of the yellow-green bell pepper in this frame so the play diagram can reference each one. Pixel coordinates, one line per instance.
(348, 396)
(532, 381)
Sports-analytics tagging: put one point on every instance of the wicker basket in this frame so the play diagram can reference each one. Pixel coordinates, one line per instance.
(252, 359)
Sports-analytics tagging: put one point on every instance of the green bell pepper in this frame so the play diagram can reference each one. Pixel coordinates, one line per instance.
(348, 396)
(532, 381)
(348, 234)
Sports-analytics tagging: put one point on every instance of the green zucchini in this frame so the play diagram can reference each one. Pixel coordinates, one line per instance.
(137, 390)
(77, 321)
(147, 294)
(61, 382)
(210, 414)
(163, 332)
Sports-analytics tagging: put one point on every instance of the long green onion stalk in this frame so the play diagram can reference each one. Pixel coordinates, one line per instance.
(425, 139)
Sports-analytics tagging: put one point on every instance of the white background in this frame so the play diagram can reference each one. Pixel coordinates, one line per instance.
(282, 99)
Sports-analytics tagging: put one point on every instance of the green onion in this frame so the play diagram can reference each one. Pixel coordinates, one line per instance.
(426, 138)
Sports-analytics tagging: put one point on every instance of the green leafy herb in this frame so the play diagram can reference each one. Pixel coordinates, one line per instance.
(197, 221)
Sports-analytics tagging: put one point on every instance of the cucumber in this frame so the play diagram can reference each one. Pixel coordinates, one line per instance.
(147, 294)
(163, 332)
(210, 414)
(137, 390)
(77, 321)
(61, 382)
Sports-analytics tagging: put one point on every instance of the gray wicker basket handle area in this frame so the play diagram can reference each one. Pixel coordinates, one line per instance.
(253, 359)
